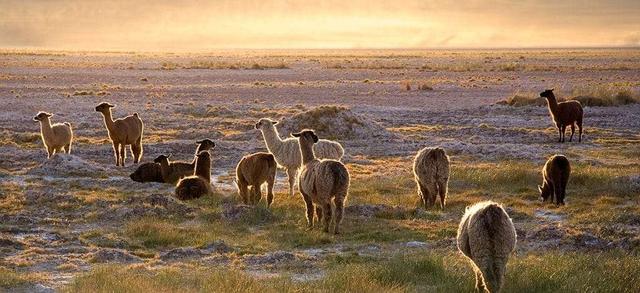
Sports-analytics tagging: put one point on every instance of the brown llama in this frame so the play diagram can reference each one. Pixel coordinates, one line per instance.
(122, 132)
(564, 114)
(555, 175)
(252, 171)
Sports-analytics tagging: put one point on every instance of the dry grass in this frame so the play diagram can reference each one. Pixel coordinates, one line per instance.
(11, 279)
(215, 64)
(602, 95)
(434, 272)
(605, 95)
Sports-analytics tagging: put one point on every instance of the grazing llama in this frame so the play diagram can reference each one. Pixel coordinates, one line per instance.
(486, 236)
(555, 176)
(431, 172)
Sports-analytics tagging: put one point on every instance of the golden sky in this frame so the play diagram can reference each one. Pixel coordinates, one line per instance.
(206, 25)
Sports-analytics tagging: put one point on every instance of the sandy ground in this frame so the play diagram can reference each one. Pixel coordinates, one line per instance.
(179, 105)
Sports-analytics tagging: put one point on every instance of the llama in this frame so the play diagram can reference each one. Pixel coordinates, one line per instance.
(555, 175)
(564, 114)
(287, 152)
(486, 236)
(431, 172)
(199, 184)
(321, 182)
(56, 137)
(169, 174)
(147, 172)
(122, 132)
(152, 172)
(184, 169)
(254, 170)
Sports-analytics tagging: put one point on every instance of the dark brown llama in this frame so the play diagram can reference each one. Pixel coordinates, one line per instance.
(555, 176)
(564, 114)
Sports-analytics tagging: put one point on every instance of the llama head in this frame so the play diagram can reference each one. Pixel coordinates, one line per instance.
(162, 158)
(544, 193)
(42, 116)
(306, 135)
(265, 122)
(206, 144)
(104, 107)
(548, 94)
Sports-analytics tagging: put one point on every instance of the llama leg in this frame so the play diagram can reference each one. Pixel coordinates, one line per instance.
(564, 129)
(552, 193)
(116, 153)
(309, 205)
(424, 193)
(243, 192)
(270, 183)
(257, 194)
(123, 154)
(136, 150)
(579, 122)
(442, 191)
(338, 202)
(319, 213)
(291, 174)
(49, 152)
(326, 214)
(559, 193)
(67, 148)
(432, 193)
(573, 129)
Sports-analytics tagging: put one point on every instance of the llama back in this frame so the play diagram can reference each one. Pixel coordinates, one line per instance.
(431, 165)
(327, 149)
(192, 187)
(491, 231)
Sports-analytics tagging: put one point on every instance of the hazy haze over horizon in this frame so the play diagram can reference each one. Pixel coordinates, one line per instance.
(207, 25)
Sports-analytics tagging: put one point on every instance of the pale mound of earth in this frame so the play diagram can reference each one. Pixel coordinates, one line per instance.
(334, 122)
(67, 165)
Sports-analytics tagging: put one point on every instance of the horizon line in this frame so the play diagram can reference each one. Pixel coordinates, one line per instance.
(39, 49)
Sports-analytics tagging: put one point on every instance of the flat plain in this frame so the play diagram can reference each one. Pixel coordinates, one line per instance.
(77, 223)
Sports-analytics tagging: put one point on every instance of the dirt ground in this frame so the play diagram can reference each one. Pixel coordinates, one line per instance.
(395, 101)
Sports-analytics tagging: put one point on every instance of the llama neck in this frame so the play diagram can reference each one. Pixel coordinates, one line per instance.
(108, 120)
(164, 168)
(45, 127)
(272, 138)
(306, 149)
(203, 169)
(553, 105)
(195, 156)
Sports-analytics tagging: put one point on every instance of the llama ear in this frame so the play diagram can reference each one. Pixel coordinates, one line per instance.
(274, 122)
(169, 156)
(296, 134)
(111, 105)
(48, 114)
(199, 141)
(551, 89)
(315, 138)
